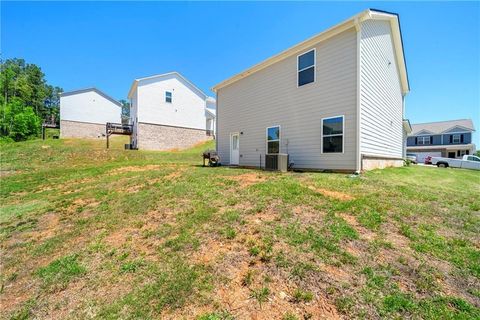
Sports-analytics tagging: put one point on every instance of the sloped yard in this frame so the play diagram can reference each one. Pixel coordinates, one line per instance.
(90, 233)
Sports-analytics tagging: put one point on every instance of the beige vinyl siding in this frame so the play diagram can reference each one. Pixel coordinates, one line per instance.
(271, 97)
(381, 106)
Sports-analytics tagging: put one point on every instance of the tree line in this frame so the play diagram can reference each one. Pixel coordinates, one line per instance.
(26, 100)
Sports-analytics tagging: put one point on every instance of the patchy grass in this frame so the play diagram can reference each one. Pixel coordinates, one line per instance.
(92, 233)
(59, 272)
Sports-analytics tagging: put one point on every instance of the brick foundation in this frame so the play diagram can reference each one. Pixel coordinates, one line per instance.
(75, 129)
(159, 137)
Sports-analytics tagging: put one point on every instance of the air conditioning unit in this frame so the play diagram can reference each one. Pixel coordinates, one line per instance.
(276, 162)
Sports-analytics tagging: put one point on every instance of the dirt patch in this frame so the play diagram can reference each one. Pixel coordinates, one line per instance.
(247, 179)
(132, 189)
(332, 194)
(175, 174)
(81, 203)
(48, 224)
(231, 264)
(119, 237)
(6, 173)
(365, 234)
(136, 168)
(336, 273)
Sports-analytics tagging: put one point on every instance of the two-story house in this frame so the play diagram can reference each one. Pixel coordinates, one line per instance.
(84, 113)
(334, 101)
(167, 111)
(452, 139)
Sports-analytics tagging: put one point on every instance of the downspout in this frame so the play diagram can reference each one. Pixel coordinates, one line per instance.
(216, 121)
(404, 144)
(358, 166)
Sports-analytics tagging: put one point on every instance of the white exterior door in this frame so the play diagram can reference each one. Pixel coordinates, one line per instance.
(234, 148)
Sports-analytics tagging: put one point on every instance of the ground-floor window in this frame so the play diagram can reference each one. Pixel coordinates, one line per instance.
(461, 153)
(273, 139)
(332, 134)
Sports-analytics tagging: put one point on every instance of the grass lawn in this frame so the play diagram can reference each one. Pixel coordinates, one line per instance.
(92, 233)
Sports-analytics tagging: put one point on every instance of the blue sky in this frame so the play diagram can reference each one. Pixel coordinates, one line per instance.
(108, 44)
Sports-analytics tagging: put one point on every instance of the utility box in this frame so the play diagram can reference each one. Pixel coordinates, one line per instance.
(276, 162)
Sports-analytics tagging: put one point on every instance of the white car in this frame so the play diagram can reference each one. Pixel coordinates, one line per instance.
(467, 162)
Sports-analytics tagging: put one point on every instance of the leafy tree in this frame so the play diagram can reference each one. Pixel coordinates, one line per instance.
(125, 111)
(26, 99)
(18, 121)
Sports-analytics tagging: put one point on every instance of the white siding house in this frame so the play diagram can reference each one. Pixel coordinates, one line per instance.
(334, 101)
(169, 112)
(84, 113)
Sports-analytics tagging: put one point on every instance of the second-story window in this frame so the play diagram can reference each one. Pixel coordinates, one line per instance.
(306, 68)
(456, 138)
(423, 140)
(168, 97)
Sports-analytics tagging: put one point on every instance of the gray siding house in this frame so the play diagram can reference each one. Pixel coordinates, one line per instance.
(452, 139)
(332, 102)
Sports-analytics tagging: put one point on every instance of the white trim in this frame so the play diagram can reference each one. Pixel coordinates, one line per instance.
(459, 138)
(314, 66)
(171, 97)
(279, 139)
(440, 134)
(427, 132)
(333, 135)
(358, 29)
(457, 126)
(423, 141)
(460, 132)
(136, 81)
(426, 135)
(333, 31)
(238, 141)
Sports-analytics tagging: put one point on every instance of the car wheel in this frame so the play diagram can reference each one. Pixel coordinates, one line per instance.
(442, 165)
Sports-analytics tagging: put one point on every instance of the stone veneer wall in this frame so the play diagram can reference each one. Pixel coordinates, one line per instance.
(160, 137)
(76, 129)
(377, 163)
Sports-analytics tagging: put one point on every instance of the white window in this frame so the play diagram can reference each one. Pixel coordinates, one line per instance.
(332, 134)
(306, 68)
(423, 140)
(168, 97)
(456, 138)
(273, 140)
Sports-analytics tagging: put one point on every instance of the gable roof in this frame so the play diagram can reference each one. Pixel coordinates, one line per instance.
(103, 94)
(369, 14)
(442, 126)
(212, 112)
(164, 75)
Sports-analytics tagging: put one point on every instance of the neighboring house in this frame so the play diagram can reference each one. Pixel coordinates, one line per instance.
(334, 101)
(452, 139)
(85, 113)
(210, 113)
(169, 112)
